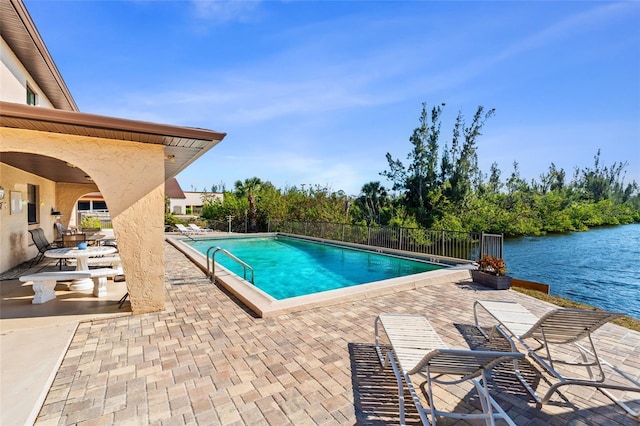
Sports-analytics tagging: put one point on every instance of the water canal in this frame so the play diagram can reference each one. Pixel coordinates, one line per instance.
(600, 267)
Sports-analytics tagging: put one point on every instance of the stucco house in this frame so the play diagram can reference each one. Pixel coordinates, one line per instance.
(187, 203)
(51, 155)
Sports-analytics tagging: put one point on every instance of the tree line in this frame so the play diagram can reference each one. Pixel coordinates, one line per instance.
(440, 186)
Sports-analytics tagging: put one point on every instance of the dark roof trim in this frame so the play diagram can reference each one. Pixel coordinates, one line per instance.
(99, 122)
(28, 46)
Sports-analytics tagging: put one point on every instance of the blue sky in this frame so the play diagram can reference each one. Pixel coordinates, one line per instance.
(317, 92)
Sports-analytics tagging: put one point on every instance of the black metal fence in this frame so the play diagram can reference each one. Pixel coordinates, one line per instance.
(453, 244)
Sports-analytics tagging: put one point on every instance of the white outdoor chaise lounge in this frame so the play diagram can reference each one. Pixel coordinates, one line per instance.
(416, 349)
(558, 327)
(197, 229)
(184, 230)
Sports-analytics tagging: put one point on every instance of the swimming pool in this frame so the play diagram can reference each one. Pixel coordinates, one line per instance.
(289, 267)
(265, 305)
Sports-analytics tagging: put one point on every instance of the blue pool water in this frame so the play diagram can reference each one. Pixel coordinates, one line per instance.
(288, 267)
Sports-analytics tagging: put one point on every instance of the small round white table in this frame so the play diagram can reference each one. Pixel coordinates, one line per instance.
(82, 264)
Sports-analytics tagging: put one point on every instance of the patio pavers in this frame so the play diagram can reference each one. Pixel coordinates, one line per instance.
(208, 360)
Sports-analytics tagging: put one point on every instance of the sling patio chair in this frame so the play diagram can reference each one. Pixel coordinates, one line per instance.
(41, 242)
(62, 230)
(558, 327)
(416, 349)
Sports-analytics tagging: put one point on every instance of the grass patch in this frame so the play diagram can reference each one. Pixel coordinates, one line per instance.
(628, 322)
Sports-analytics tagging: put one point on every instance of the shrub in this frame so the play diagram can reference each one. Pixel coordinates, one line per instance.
(90, 222)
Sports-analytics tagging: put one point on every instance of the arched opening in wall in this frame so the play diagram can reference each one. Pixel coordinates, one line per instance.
(43, 191)
(91, 211)
(54, 169)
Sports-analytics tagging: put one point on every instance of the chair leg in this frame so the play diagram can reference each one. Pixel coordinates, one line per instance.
(36, 259)
(123, 299)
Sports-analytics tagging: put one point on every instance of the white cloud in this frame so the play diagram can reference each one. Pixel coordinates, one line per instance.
(568, 27)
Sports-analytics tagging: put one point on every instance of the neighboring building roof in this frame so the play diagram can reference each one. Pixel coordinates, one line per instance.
(183, 145)
(22, 36)
(173, 190)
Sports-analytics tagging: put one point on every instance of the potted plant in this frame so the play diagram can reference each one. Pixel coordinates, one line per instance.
(491, 272)
(90, 225)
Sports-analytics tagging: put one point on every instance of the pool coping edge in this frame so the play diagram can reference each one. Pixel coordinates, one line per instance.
(266, 306)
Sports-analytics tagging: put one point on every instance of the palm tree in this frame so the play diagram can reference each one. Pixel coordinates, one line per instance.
(249, 188)
(373, 197)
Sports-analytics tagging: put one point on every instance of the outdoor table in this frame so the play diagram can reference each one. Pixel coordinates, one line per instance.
(82, 258)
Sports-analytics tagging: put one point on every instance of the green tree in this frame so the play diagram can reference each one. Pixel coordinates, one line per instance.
(494, 185)
(250, 188)
(372, 199)
(430, 191)
(466, 175)
(602, 183)
(419, 181)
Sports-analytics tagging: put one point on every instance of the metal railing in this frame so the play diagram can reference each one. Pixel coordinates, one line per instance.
(103, 215)
(453, 244)
(212, 271)
(492, 245)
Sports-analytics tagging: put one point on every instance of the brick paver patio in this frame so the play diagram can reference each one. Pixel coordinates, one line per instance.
(207, 360)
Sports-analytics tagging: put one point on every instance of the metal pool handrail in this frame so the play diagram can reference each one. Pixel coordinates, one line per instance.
(212, 271)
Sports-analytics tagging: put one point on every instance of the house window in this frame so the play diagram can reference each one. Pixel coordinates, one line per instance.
(32, 203)
(84, 205)
(99, 205)
(32, 99)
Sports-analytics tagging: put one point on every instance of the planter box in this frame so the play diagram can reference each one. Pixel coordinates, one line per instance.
(90, 231)
(493, 281)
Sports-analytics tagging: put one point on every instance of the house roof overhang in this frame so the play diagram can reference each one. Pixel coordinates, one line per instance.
(183, 145)
(20, 33)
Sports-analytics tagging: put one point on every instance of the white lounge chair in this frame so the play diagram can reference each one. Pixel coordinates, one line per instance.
(417, 349)
(197, 229)
(184, 230)
(558, 327)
